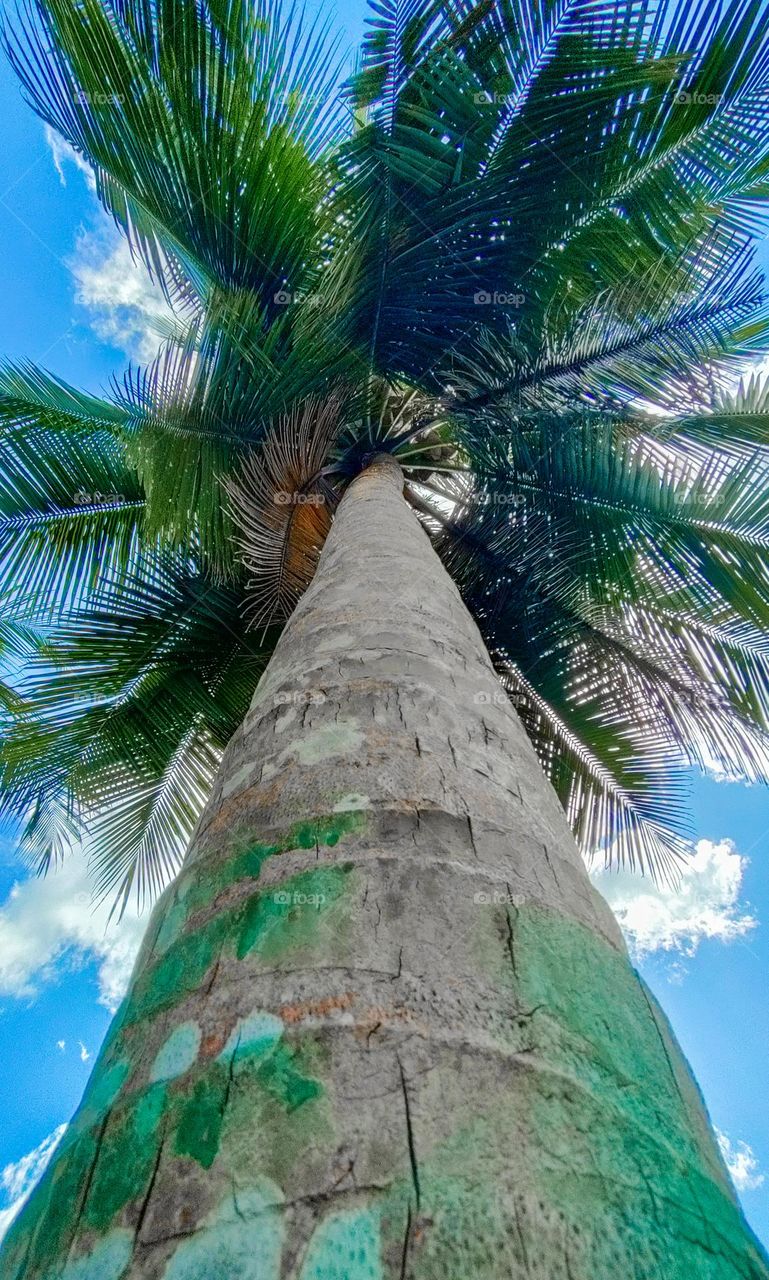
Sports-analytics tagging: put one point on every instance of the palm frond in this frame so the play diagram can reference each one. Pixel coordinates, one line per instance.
(631, 811)
(635, 658)
(126, 710)
(203, 124)
(70, 503)
(17, 643)
(736, 418)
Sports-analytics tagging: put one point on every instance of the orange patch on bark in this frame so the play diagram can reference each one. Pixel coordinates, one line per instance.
(213, 1044)
(315, 1008)
(248, 803)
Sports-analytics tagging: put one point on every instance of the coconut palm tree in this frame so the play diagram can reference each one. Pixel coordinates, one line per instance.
(434, 538)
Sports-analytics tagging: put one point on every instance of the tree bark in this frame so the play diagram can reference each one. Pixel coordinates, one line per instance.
(382, 1027)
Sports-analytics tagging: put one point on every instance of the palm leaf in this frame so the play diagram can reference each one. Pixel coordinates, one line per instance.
(634, 681)
(203, 125)
(70, 504)
(125, 713)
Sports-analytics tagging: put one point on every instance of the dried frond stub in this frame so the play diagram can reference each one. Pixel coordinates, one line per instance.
(283, 508)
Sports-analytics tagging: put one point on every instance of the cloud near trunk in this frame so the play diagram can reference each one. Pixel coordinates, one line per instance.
(18, 1180)
(705, 904)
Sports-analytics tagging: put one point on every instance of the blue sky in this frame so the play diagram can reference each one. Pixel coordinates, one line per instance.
(72, 303)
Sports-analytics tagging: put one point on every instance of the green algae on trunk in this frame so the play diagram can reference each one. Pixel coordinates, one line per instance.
(382, 1027)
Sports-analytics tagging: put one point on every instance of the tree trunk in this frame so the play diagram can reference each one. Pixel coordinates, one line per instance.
(382, 1027)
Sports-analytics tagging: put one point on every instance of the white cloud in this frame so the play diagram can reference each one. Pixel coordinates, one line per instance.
(49, 924)
(125, 308)
(741, 1162)
(84, 1054)
(705, 904)
(61, 1044)
(63, 154)
(18, 1180)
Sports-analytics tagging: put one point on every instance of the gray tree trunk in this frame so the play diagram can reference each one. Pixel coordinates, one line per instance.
(382, 1027)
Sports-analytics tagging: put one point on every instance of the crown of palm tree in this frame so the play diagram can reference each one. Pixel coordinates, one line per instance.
(515, 251)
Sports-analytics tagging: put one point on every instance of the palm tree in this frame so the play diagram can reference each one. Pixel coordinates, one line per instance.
(447, 456)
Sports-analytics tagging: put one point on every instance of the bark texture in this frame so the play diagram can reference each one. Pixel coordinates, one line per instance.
(382, 1027)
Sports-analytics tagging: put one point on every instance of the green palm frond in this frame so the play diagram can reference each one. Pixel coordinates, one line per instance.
(196, 412)
(70, 504)
(611, 593)
(626, 802)
(467, 185)
(649, 338)
(17, 644)
(583, 696)
(126, 710)
(203, 124)
(737, 417)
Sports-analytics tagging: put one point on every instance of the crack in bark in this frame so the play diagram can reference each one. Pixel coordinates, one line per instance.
(510, 939)
(649, 1190)
(230, 1074)
(662, 1041)
(150, 1189)
(213, 977)
(349, 1172)
(89, 1180)
(529, 1013)
(235, 1204)
(553, 871)
(410, 1135)
(406, 1242)
(320, 1197)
